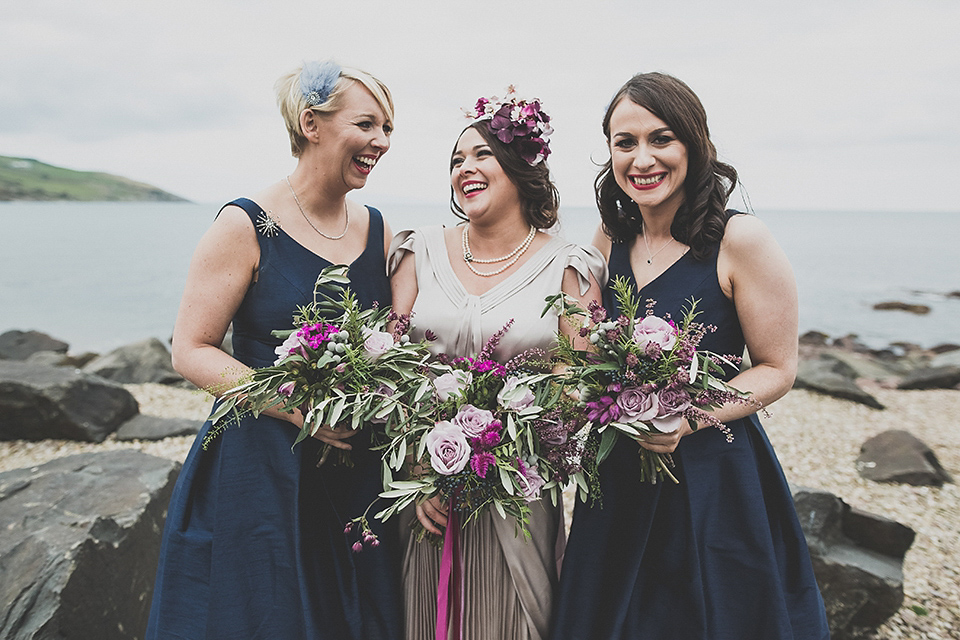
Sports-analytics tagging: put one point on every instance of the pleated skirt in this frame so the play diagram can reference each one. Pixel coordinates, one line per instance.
(509, 581)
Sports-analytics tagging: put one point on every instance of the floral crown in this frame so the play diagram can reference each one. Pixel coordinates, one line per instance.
(317, 80)
(520, 121)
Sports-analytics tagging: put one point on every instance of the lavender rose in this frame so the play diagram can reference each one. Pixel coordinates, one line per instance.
(655, 330)
(638, 406)
(514, 395)
(673, 402)
(377, 343)
(473, 421)
(448, 448)
(529, 479)
(452, 384)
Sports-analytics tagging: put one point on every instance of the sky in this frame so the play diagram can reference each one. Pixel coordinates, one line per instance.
(820, 105)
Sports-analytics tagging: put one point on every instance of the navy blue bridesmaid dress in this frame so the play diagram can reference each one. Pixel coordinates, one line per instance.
(719, 556)
(254, 544)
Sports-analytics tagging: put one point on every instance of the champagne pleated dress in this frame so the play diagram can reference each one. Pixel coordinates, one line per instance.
(253, 547)
(509, 582)
(719, 556)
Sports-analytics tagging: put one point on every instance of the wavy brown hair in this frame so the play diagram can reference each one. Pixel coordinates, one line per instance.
(539, 195)
(702, 217)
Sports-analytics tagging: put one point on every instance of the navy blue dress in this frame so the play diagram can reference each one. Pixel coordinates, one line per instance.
(254, 545)
(719, 556)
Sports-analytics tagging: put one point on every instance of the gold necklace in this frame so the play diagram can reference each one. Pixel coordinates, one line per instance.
(346, 213)
(513, 256)
(649, 256)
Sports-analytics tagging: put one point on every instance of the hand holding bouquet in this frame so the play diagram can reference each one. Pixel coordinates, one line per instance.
(644, 375)
(338, 364)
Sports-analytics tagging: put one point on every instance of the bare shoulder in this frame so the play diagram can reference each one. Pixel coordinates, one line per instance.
(745, 233)
(602, 242)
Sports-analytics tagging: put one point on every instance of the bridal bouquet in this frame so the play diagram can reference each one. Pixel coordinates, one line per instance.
(338, 364)
(644, 374)
(475, 439)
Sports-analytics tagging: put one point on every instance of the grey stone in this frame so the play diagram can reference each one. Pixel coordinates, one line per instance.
(946, 359)
(944, 377)
(857, 559)
(137, 363)
(143, 427)
(56, 359)
(19, 345)
(898, 456)
(831, 376)
(79, 542)
(39, 402)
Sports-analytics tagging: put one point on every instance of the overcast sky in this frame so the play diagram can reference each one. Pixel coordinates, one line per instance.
(824, 105)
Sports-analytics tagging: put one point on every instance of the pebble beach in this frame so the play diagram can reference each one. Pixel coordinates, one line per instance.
(817, 439)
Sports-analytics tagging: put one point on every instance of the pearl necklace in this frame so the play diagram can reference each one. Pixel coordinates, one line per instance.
(513, 256)
(651, 257)
(346, 213)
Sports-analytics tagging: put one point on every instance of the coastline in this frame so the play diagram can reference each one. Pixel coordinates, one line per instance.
(817, 439)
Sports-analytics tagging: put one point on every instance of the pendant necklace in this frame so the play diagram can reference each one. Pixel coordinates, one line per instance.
(650, 256)
(513, 256)
(346, 214)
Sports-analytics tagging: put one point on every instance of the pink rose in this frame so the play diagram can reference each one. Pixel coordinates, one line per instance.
(448, 448)
(452, 384)
(377, 343)
(473, 421)
(673, 402)
(638, 406)
(529, 480)
(514, 395)
(656, 330)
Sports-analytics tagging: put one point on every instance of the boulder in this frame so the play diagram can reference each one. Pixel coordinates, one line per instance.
(831, 376)
(143, 427)
(19, 345)
(39, 402)
(919, 309)
(946, 359)
(945, 377)
(137, 363)
(56, 359)
(898, 456)
(79, 542)
(858, 561)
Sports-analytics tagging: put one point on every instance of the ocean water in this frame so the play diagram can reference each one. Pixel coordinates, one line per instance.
(100, 275)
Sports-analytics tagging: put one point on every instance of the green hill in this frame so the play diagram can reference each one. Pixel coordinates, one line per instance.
(26, 179)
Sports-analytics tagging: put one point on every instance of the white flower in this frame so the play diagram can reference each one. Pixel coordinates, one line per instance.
(514, 395)
(291, 344)
(452, 383)
(377, 343)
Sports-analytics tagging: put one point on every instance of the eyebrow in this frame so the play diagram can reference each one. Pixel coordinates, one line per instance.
(652, 133)
(474, 148)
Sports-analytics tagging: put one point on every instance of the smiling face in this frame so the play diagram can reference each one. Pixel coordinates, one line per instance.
(355, 136)
(648, 161)
(479, 183)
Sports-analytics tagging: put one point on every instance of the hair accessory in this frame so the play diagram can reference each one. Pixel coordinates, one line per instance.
(512, 119)
(317, 80)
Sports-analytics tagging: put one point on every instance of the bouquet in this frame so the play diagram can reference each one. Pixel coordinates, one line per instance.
(338, 364)
(475, 440)
(644, 374)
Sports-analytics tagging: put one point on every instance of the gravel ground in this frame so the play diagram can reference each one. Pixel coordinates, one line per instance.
(817, 439)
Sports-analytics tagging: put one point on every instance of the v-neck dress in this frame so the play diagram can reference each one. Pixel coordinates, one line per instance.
(254, 544)
(508, 582)
(719, 556)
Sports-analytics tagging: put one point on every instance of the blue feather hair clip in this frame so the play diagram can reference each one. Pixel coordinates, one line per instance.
(317, 80)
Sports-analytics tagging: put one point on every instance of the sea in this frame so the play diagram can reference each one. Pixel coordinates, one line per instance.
(101, 275)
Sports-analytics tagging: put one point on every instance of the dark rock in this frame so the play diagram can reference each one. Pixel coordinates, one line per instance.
(946, 377)
(19, 345)
(920, 309)
(833, 377)
(857, 559)
(39, 402)
(850, 342)
(814, 338)
(79, 542)
(898, 456)
(142, 427)
(145, 361)
(945, 359)
(945, 347)
(54, 359)
(954, 294)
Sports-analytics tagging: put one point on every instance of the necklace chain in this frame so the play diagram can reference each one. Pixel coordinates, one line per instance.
(346, 214)
(513, 256)
(650, 256)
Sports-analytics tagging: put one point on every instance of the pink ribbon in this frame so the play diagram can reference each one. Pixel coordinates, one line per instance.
(450, 585)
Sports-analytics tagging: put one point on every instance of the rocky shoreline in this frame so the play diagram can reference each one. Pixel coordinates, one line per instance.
(818, 438)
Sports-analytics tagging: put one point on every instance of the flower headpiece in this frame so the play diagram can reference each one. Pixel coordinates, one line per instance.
(517, 120)
(317, 80)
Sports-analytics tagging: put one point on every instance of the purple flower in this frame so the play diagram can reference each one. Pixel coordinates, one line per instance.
(473, 421)
(481, 463)
(429, 335)
(529, 479)
(603, 410)
(638, 406)
(286, 389)
(632, 360)
(656, 330)
(448, 448)
(357, 547)
(673, 402)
